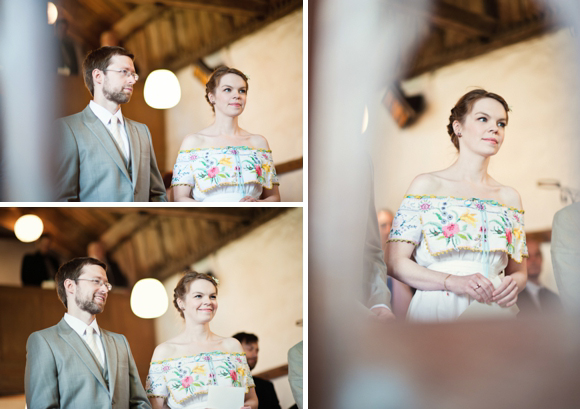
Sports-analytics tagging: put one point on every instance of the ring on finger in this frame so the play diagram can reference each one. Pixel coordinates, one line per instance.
(476, 287)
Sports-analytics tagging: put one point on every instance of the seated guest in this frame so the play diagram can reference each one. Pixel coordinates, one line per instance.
(264, 388)
(41, 265)
(535, 298)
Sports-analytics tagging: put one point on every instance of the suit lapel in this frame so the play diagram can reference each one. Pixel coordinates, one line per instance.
(102, 135)
(135, 149)
(111, 353)
(79, 347)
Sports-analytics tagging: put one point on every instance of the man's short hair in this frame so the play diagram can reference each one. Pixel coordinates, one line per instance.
(99, 59)
(246, 338)
(72, 270)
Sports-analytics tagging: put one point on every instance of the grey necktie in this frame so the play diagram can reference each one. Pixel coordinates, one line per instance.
(91, 338)
(117, 134)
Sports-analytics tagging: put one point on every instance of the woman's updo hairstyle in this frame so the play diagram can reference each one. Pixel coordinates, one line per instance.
(184, 283)
(464, 106)
(214, 81)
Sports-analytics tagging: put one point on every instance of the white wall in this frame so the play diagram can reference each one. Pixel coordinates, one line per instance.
(538, 79)
(260, 292)
(11, 254)
(272, 59)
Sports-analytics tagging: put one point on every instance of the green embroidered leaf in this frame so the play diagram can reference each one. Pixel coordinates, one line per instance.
(462, 236)
(438, 216)
(221, 175)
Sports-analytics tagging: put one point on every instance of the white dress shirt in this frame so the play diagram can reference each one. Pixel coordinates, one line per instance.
(534, 291)
(81, 328)
(105, 117)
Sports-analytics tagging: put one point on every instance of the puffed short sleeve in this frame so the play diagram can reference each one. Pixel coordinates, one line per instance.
(270, 175)
(520, 248)
(246, 377)
(155, 385)
(183, 170)
(407, 223)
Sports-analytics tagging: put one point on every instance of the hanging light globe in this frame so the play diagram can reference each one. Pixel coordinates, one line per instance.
(28, 228)
(162, 90)
(149, 298)
(52, 12)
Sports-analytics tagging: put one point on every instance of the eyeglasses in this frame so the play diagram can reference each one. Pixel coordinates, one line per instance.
(97, 282)
(126, 73)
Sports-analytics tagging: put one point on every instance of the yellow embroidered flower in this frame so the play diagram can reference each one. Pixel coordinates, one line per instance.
(266, 167)
(241, 371)
(226, 161)
(517, 233)
(198, 369)
(468, 218)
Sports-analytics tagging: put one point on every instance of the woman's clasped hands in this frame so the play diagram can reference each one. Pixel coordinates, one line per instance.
(480, 288)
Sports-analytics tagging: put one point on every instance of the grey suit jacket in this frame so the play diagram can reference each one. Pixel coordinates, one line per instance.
(90, 166)
(566, 256)
(61, 372)
(374, 269)
(295, 372)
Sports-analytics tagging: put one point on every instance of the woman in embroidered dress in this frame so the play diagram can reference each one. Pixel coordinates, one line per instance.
(457, 229)
(183, 367)
(223, 162)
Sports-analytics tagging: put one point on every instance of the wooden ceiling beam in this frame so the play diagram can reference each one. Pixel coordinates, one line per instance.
(218, 6)
(205, 249)
(176, 62)
(218, 214)
(137, 19)
(473, 49)
(450, 17)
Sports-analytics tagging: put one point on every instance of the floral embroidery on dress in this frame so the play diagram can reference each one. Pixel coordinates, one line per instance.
(182, 379)
(208, 168)
(449, 223)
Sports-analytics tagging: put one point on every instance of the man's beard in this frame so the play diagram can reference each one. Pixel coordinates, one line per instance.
(119, 97)
(88, 306)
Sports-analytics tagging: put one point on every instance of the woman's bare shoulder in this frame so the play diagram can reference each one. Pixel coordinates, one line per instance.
(165, 350)
(258, 141)
(193, 141)
(425, 183)
(510, 197)
(231, 345)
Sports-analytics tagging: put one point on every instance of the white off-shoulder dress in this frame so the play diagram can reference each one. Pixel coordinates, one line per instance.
(225, 174)
(183, 382)
(457, 236)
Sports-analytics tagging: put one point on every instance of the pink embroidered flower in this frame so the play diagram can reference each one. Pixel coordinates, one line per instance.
(517, 218)
(265, 156)
(508, 235)
(193, 157)
(236, 168)
(425, 206)
(234, 375)
(185, 382)
(258, 170)
(166, 368)
(480, 206)
(213, 171)
(450, 230)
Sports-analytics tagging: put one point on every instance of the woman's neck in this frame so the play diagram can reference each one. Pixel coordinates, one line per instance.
(471, 167)
(226, 125)
(197, 332)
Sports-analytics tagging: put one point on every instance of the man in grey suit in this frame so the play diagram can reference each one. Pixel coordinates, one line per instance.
(103, 156)
(76, 364)
(566, 256)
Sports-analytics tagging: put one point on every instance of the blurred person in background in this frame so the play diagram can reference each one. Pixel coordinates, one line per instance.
(535, 298)
(96, 249)
(41, 265)
(566, 256)
(458, 228)
(264, 388)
